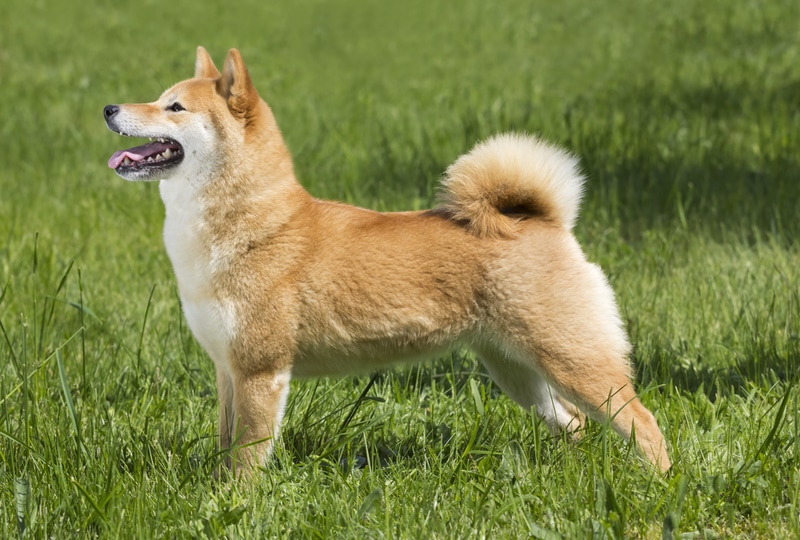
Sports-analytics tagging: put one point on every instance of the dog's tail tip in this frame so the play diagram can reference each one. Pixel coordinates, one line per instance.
(510, 177)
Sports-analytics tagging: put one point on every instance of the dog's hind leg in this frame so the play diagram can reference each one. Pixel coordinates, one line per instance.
(602, 388)
(530, 390)
(589, 368)
(568, 330)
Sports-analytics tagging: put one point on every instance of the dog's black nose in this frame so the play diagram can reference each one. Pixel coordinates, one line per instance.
(110, 110)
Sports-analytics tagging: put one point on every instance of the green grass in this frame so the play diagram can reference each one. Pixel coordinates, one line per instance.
(686, 116)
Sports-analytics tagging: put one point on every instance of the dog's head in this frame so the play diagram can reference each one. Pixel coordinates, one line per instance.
(194, 127)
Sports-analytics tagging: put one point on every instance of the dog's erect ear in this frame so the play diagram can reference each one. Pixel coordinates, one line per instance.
(204, 67)
(235, 85)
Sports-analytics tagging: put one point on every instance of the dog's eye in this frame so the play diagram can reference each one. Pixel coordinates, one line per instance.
(176, 107)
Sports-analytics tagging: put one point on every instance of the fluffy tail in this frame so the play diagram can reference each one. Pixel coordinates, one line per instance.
(508, 178)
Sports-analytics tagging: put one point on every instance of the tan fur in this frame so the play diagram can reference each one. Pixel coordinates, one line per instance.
(275, 283)
(514, 175)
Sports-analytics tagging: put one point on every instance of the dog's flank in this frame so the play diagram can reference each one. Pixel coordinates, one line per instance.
(275, 283)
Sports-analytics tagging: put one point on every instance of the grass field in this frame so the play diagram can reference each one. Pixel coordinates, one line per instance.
(686, 117)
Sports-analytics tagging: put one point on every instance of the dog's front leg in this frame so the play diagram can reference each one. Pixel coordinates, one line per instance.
(258, 403)
(225, 396)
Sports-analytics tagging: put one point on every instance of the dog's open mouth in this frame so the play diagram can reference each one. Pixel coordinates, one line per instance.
(158, 153)
(147, 160)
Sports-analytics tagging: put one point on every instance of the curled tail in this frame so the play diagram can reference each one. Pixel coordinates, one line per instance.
(511, 177)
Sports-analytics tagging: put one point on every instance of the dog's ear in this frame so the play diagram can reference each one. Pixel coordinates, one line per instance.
(204, 67)
(236, 87)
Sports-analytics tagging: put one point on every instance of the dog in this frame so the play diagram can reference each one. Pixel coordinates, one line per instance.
(276, 284)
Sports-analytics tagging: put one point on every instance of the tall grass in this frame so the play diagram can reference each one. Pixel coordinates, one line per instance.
(686, 118)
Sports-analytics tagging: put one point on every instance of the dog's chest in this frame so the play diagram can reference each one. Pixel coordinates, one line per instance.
(210, 320)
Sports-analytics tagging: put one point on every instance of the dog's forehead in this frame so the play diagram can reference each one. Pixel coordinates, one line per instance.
(189, 87)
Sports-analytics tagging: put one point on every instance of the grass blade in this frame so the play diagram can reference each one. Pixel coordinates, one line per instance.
(62, 375)
(141, 333)
(22, 492)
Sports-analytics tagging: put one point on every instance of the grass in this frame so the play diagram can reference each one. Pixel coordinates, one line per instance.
(686, 117)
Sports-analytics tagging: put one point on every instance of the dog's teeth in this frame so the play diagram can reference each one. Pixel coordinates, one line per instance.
(126, 161)
(167, 153)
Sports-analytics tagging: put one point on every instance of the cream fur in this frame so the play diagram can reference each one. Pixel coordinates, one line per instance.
(515, 174)
(276, 284)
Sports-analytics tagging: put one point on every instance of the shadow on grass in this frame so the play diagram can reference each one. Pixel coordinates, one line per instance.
(757, 364)
(716, 156)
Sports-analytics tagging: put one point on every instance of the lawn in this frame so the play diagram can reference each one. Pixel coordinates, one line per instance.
(686, 118)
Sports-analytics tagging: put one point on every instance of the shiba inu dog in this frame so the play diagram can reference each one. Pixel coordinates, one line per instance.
(276, 284)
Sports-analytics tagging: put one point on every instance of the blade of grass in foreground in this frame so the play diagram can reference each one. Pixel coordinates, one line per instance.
(73, 415)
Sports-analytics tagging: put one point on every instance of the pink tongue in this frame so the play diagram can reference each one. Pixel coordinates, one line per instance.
(138, 153)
